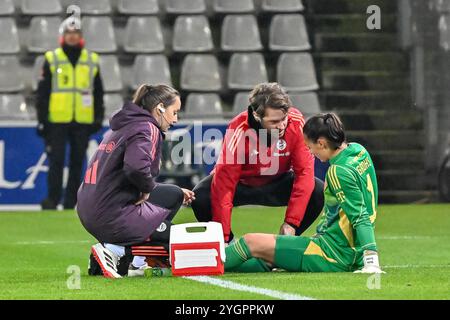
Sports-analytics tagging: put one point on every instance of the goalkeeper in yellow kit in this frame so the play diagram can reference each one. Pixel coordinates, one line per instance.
(345, 239)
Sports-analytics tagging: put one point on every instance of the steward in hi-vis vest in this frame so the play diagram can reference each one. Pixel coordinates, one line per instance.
(70, 108)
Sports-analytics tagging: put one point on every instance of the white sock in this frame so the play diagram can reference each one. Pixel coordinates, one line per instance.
(117, 250)
(139, 261)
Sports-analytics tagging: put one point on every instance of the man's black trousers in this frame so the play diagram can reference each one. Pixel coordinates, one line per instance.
(77, 137)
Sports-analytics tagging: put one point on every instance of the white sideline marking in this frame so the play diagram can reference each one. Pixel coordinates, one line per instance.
(27, 243)
(242, 287)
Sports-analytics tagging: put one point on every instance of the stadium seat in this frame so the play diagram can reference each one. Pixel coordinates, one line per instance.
(112, 102)
(192, 34)
(10, 74)
(240, 103)
(282, 5)
(41, 7)
(240, 33)
(246, 70)
(13, 107)
(185, 6)
(43, 34)
(307, 102)
(200, 72)
(9, 39)
(37, 71)
(233, 6)
(99, 34)
(138, 7)
(205, 105)
(150, 69)
(143, 35)
(110, 73)
(288, 33)
(442, 6)
(6, 8)
(96, 7)
(444, 32)
(295, 72)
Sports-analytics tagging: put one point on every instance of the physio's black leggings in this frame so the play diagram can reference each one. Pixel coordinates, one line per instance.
(275, 194)
(168, 196)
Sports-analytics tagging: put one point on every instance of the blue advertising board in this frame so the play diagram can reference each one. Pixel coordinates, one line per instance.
(24, 166)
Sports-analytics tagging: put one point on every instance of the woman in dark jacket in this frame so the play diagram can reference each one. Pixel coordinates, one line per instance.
(119, 202)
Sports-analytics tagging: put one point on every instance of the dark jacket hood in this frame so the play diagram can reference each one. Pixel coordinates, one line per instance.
(130, 113)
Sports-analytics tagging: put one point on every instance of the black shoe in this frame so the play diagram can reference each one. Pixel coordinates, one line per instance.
(48, 204)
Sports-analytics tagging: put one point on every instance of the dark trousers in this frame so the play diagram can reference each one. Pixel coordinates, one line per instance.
(59, 135)
(275, 194)
(167, 196)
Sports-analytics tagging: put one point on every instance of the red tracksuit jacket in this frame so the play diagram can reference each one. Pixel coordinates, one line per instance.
(249, 168)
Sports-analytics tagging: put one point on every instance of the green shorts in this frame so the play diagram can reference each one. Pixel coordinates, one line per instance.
(302, 254)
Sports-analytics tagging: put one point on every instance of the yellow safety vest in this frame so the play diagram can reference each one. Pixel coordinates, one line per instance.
(71, 97)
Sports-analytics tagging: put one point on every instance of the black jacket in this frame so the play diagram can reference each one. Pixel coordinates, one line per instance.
(45, 88)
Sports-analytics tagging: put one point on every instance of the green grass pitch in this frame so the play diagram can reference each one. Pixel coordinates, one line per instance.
(36, 250)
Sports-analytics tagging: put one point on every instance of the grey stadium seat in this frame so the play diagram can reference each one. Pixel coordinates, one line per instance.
(37, 71)
(43, 34)
(93, 7)
(296, 72)
(151, 69)
(288, 33)
(9, 39)
(240, 33)
(112, 102)
(6, 8)
(246, 70)
(282, 5)
(10, 74)
(41, 7)
(110, 73)
(307, 102)
(143, 35)
(233, 6)
(138, 7)
(185, 6)
(241, 102)
(192, 34)
(442, 6)
(444, 32)
(99, 34)
(13, 107)
(200, 72)
(203, 105)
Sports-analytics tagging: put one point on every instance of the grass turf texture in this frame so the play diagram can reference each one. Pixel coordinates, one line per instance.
(414, 243)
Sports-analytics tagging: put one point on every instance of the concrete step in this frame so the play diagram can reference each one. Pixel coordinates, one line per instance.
(365, 100)
(335, 42)
(408, 196)
(362, 61)
(382, 120)
(349, 23)
(397, 159)
(350, 6)
(365, 81)
(388, 139)
(391, 180)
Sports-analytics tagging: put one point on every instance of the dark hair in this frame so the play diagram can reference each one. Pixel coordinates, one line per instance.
(149, 96)
(269, 95)
(325, 125)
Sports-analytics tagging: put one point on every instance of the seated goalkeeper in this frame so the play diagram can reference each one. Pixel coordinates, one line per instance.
(345, 239)
(119, 202)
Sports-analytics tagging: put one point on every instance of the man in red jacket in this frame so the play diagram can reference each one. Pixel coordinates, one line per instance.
(264, 161)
